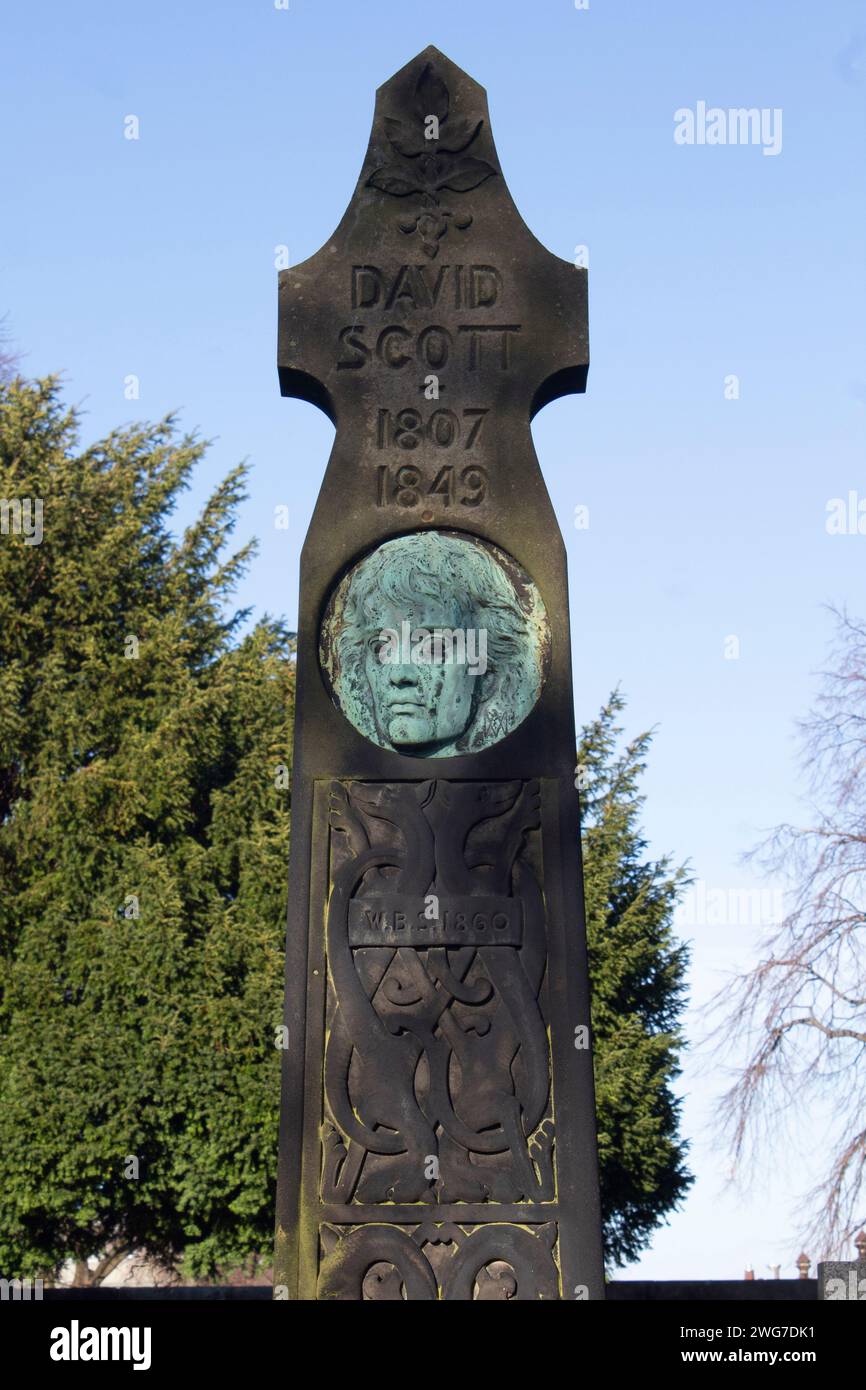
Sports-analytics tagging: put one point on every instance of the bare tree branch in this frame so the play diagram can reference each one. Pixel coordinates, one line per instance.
(800, 1013)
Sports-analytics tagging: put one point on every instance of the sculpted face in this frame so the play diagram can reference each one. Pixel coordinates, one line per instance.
(420, 700)
(435, 644)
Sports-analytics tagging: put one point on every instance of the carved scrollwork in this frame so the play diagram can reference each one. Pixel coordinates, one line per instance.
(437, 1066)
(442, 1262)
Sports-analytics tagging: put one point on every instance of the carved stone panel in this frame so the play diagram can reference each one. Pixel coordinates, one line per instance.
(437, 1074)
(439, 1261)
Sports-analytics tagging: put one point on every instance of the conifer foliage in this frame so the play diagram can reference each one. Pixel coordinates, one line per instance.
(143, 832)
(637, 976)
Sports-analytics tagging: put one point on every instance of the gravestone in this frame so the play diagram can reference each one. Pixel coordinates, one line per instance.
(437, 1136)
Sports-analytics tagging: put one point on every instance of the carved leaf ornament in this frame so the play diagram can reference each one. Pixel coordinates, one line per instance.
(433, 159)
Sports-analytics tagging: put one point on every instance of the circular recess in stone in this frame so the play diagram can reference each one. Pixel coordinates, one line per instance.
(435, 644)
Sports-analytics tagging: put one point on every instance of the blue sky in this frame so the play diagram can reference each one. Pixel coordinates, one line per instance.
(155, 258)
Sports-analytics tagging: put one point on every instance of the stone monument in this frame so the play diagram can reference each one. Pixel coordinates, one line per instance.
(437, 1136)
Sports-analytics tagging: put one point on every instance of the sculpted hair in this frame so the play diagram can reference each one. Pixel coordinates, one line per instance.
(475, 592)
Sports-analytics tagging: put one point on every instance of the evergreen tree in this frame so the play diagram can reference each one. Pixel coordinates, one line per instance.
(637, 971)
(143, 833)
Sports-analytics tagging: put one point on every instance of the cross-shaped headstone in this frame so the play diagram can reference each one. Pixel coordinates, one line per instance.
(438, 1126)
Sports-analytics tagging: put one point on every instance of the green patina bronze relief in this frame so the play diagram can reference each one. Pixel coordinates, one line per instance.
(435, 644)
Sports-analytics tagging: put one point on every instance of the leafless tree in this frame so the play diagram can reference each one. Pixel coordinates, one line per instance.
(8, 357)
(800, 1013)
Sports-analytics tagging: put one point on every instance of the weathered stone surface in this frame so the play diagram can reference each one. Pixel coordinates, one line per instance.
(438, 1129)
